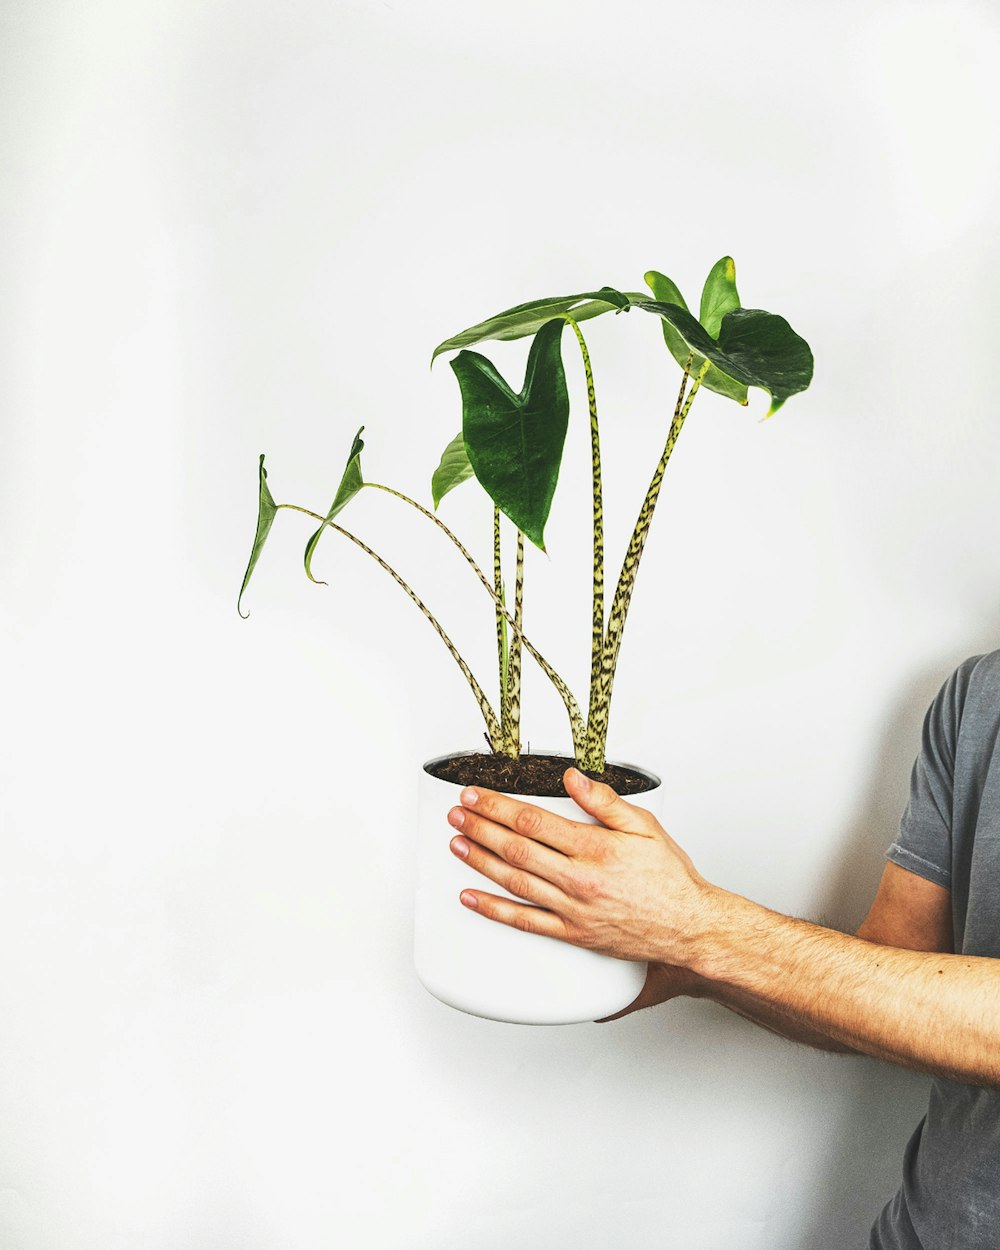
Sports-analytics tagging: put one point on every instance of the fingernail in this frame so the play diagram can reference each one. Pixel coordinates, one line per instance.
(468, 899)
(469, 797)
(460, 847)
(581, 779)
(456, 817)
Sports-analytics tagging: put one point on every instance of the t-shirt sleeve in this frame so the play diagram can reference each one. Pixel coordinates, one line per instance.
(924, 842)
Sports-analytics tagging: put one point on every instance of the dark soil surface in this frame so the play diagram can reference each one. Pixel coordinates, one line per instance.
(540, 775)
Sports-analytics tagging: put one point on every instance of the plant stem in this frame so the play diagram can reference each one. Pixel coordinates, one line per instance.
(502, 644)
(578, 727)
(597, 616)
(513, 690)
(597, 727)
(492, 724)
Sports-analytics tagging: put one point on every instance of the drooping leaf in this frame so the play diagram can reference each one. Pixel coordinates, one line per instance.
(666, 292)
(351, 482)
(266, 512)
(718, 295)
(515, 441)
(754, 348)
(766, 348)
(525, 319)
(453, 469)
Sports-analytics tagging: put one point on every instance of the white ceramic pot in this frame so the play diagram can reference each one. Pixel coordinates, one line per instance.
(489, 969)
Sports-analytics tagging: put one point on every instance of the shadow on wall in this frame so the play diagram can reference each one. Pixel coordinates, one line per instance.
(883, 1104)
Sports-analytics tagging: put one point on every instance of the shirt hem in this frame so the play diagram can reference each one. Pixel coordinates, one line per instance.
(915, 863)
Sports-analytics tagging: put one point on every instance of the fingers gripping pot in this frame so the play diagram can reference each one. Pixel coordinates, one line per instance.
(492, 970)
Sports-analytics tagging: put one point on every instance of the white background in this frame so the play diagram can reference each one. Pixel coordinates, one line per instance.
(230, 228)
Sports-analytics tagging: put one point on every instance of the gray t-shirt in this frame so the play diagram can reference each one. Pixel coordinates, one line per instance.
(950, 834)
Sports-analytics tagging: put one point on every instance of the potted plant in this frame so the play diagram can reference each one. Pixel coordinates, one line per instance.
(512, 443)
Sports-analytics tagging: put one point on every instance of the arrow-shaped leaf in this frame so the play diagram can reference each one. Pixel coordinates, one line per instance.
(755, 348)
(453, 469)
(266, 511)
(525, 319)
(666, 292)
(350, 484)
(515, 442)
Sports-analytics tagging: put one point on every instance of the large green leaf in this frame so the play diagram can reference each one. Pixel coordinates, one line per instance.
(666, 292)
(350, 484)
(453, 469)
(755, 348)
(525, 319)
(515, 442)
(718, 295)
(266, 511)
(768, 351)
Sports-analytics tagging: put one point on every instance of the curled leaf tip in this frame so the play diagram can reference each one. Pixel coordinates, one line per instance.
(776, 404)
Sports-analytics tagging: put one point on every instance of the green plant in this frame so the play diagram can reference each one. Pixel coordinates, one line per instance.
(512, 443)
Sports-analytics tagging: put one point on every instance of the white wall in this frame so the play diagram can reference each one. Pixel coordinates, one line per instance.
(240, 227)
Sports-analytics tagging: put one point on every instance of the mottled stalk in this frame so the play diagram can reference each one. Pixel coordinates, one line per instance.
(597, 615)
(578, 726)
(597, 727)
(501, 623)
(493, 729)
(512, 693)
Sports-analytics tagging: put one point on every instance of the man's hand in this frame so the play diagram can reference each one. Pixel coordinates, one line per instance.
(626, 890)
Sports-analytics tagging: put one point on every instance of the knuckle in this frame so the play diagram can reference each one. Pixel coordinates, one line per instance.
(515, 852)
(587, 887)
(524, 922)
(528, 821)
(646, 819)
(518, 883)
(577, 934)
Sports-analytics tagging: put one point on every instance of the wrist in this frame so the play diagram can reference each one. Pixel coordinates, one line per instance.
(723, 927)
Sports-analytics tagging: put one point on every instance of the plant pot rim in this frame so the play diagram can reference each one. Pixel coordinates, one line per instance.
(571, 760)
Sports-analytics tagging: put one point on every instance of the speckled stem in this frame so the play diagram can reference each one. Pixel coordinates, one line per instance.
(597, 727)
(493, 729)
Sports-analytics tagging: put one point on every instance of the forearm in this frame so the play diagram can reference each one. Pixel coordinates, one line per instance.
(763, 1013)
(933, 1012)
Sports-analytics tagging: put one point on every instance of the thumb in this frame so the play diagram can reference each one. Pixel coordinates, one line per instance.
(601, 802)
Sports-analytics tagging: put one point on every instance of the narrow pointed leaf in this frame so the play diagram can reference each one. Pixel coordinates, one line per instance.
(515, 441)
(525, 319)
(453, 469)
(665, 289)
(266, 512)
(755, 348)
(665, 292)
(350, 484)
(719, 295)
